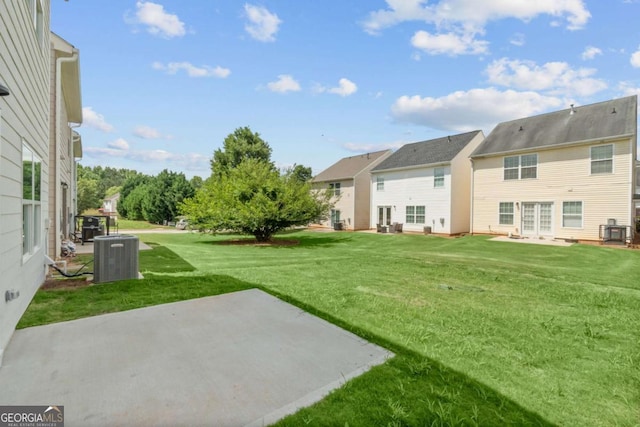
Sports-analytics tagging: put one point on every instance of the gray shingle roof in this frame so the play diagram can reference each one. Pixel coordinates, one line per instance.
(433, 151)
(588, 122)
(349, 167)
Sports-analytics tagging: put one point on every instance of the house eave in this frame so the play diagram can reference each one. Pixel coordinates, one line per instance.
(412, 167)
(600, 140)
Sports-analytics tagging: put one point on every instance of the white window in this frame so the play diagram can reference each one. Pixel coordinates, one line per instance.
(31, 201)
(511, 166)
(506, 213)
(521, 167)
(380, 183)
(415, 214)
(419, 214)
(334, 188)
(602, 159)
(438, 177)
(528, 166)
(572, 214)
(37, 13)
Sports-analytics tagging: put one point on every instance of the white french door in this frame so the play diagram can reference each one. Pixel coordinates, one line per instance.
(384, 215)
(537, 218)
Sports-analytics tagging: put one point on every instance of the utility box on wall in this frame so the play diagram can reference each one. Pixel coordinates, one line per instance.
(115, 258)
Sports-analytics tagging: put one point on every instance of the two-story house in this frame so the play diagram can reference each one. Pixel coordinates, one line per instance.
(348, 180)
(24, 156)
(567, 174)
(426, 184)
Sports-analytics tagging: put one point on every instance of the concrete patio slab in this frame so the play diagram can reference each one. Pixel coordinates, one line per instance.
(245, 358)
(533, 241)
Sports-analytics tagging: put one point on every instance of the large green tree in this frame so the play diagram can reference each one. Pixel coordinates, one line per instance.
(238, 146)
(254, 198)
(88, 197)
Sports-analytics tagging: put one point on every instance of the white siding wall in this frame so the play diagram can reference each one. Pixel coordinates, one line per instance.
(563, 175)
(413, 187)
(24, 115)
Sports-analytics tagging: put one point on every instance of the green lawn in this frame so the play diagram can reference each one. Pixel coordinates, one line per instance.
(486, 333)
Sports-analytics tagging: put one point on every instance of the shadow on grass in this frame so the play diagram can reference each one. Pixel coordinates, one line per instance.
(161, 259)
(302, 241)
(408, 390)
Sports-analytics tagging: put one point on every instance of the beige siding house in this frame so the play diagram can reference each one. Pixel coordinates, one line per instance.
(426, 184)
(350, 181)
(65, 144)
(24, 156)
(567, 174)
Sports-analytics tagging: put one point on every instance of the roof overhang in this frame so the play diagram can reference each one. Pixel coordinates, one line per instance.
(412, 167)
(555, 146)
(70, 78)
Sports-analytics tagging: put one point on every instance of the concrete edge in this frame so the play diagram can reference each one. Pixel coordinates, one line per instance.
(316, 395)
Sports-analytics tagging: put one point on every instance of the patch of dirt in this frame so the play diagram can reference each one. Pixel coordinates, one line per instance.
(51, 283)
(254, 242)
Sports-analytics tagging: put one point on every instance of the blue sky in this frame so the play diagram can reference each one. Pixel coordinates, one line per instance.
(165, 81)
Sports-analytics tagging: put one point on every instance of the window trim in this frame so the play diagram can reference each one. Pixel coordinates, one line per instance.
(564, 215)
(334, 188)
(519, 168)
(379, 183)
(591, 160)
(412, 218)
(32, 236)
(438, 179)
(512, 213)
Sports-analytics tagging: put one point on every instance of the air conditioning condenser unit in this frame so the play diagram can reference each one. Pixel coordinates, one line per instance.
(115, 257)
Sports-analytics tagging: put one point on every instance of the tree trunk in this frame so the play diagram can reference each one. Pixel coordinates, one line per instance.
(262, 236)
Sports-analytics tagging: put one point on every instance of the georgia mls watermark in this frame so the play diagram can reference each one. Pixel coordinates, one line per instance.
(32, 416)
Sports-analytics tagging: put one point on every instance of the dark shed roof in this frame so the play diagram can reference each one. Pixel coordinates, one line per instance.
(349, 167)
(590, 122)
(433, 151)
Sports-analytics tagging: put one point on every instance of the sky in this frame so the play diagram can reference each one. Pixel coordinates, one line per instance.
(165, 81)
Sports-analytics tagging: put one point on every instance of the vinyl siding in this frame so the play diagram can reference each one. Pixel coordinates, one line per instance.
(413, 187)
(461, 187)
(564, 174)
(344, 203)
(24, 69)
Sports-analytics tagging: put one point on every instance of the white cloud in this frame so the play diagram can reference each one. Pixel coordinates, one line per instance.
(146, 132)
(187, 161)
(468, 15)
(262, 25)
(119, 144)
(628, 89)
(158, 21)
(93, 119)
(635, 58)
(591, 52)
(464, 111)
(192, 70)
(285, 83)
(345, 88)
(552, 77)
(369, 148)
(449, 44)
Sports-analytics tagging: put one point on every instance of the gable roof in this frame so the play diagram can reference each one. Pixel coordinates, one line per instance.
(440, 150)
(349, 167)
(617, 117)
